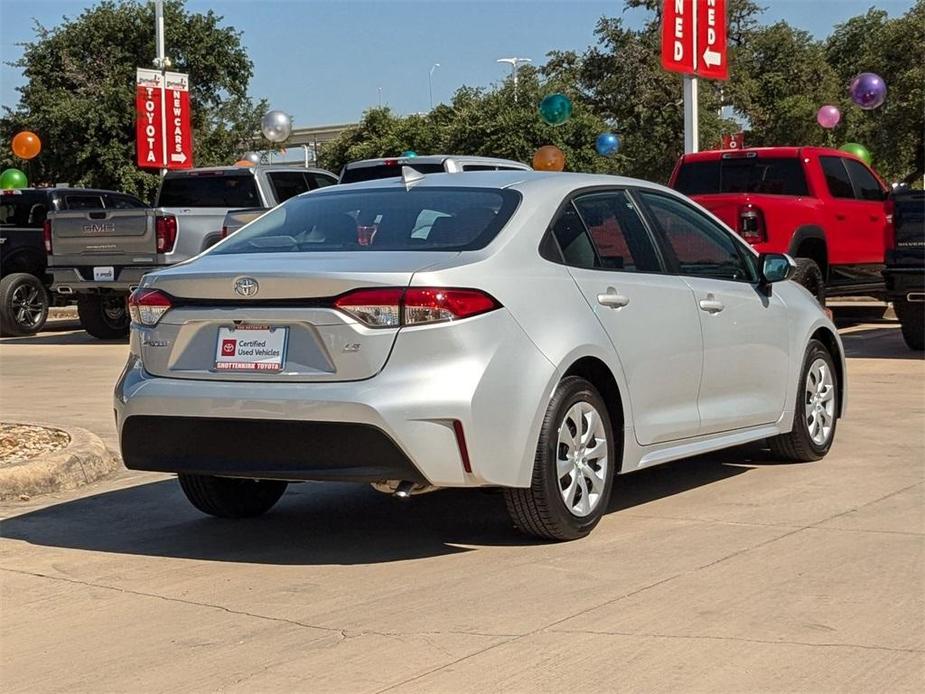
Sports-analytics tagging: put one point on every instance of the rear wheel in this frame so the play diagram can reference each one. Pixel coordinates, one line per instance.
(573, 469)
(23, 304)
(104, 316)
(815, 412)
(911, 315)
(227, 497)
(808, 275)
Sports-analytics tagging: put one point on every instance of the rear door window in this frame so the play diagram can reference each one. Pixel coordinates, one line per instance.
(617, 232)
(742, 174)
(287, 184)
(210, 190)
(319, 180)
(865, 184)
(836, 177)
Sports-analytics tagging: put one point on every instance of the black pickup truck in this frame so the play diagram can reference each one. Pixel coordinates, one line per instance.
(24, 278)
(904, 273)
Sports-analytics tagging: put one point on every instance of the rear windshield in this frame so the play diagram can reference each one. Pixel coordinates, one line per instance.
(23, 210)
(209, 190)
(377, 171)
(423, 219)
(764, 175)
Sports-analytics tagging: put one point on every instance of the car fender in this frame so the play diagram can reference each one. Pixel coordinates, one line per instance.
(803, 233)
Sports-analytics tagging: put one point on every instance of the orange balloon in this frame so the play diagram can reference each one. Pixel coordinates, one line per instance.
(26, 145)
(549, 158)
(244, 162)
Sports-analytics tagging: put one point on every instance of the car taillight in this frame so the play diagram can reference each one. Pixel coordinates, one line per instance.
(147, 306)
(224, 231)
(46, 235)
(751, 224)
(165, 230)
(392, 306)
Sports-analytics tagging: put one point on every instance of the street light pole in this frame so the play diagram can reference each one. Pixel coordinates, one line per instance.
(161, 64)
(380, 97)
(430, 84)
(513, 62)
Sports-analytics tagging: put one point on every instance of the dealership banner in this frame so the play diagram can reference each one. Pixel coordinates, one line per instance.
(163, 132)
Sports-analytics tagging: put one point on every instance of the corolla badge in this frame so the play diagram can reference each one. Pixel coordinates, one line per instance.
(246, 286)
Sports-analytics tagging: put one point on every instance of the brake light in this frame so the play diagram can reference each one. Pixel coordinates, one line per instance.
(165, 230)
(390, 162)
(889, 229)
(751, 224)
(148, 306)
(392, 306)
(46, 235)
(224, 231)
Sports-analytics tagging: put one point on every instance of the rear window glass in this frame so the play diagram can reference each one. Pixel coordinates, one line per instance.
(763, 175)
(18, 210)
(422, 219)
(378, 171)
(235, 190)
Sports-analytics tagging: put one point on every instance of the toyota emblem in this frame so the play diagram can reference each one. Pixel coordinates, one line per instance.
(246, 286)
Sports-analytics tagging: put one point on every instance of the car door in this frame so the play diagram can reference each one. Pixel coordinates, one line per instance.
(847, 219)
(870, 212)
(745, 331)
(648, 315)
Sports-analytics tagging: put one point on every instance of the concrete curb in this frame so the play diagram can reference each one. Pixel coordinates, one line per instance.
(84, 460)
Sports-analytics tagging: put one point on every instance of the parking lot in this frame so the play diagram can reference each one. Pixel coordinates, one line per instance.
(729, 572)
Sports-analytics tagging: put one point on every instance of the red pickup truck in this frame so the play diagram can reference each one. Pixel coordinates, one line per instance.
(824, 207)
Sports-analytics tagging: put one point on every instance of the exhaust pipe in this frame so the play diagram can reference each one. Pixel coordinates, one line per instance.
(65, 290)
(403, 490)
(916, 297)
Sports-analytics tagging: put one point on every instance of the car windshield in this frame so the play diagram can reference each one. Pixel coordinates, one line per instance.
(217, 189)
(375, 172)
(763, 175)
(420, 219)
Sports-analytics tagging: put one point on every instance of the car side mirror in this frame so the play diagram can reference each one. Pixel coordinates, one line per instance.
(775, 267)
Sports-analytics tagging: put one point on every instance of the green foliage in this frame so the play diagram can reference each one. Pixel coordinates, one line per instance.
(79, 93)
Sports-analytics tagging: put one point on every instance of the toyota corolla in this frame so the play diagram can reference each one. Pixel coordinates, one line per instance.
(537, 332)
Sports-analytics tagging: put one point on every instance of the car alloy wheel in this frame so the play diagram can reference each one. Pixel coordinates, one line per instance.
(581, 458)
(819, 402)
(28, 305)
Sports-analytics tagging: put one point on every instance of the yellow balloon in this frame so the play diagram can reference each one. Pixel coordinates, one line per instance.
(549, 158)
(244, 162)
(26, 145)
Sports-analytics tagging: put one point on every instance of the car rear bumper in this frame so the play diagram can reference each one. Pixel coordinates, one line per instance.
(482, 375)
(76, 280)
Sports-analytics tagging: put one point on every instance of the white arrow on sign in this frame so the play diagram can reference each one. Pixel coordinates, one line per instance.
(711, 58)
(181, 157)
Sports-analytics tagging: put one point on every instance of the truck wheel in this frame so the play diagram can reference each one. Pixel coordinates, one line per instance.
(227, 497)
(23, 305)
(911, 316)
(810, 276)
(104, 316)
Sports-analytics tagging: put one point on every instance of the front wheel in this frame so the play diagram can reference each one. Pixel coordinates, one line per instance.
(573, 469)
(104, 316)
(23, 305)
(815, 412)
(227, 497)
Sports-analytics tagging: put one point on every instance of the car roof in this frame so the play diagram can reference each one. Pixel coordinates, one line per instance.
(55, 189)
(436, 159)
(787, 151)
(236, 169)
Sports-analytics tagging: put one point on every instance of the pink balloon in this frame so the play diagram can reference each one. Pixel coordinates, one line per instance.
(828, 116)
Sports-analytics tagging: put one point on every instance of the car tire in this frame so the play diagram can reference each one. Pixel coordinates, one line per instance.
(805, 442)
(808, 274)
(23, 305)
(102, 316)
(911, 315)
(227, 497)
(564, 468)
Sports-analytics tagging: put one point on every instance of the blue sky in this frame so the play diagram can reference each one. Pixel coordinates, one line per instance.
(324, 61)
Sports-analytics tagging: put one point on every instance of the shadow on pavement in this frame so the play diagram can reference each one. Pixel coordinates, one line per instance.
(317, 524)
(878, 343)
(71, 336)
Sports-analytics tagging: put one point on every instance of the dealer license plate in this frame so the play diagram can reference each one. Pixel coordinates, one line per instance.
(104, 274)
(251, 348)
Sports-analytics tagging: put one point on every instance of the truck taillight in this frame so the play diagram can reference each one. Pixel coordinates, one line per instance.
(46, 235)
(889, 229)
(224, 231)
(165, 230)
(393, 306)
(751, 224)
(147, 306)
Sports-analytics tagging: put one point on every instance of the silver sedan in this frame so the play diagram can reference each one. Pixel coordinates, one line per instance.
(538, 332)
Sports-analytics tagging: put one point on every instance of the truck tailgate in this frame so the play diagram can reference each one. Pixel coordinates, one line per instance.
(103, 237)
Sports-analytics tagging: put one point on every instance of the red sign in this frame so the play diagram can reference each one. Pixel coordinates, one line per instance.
(149, 118)
(694, 38)
(163, 135)
(736, 141)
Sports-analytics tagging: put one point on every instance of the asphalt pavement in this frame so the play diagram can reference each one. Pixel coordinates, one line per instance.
(731, 572)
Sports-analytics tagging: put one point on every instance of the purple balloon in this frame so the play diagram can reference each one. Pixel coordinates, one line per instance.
(828, 116)
(868, 90)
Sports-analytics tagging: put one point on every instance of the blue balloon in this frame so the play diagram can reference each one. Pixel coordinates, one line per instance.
(408, 154)
(607, 144)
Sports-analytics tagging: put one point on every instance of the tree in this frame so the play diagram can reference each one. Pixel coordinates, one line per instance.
(79, 93)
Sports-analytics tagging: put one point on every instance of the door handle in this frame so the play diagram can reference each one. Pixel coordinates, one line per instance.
(840, 217)
(874, 218)
(711, 305)
(612, 300)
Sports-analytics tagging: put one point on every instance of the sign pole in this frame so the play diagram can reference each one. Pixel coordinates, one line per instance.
(691, 115)
(161, 60)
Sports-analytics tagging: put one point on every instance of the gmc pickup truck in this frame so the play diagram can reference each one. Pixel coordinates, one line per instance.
(824, 207)
(101, 255)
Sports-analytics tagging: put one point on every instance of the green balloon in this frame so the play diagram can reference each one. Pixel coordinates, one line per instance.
(13, 178)
(860, 151)
(556, 108)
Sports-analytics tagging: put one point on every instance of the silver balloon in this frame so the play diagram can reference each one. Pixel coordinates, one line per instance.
(276, 126)
(252, 157)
